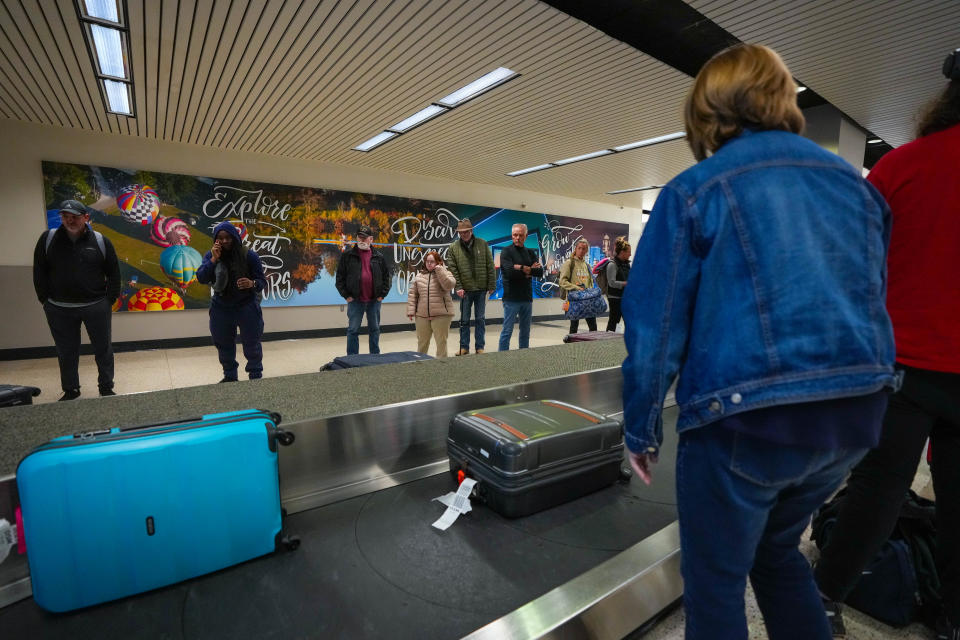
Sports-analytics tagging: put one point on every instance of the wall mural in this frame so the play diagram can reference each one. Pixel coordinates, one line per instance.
(162, 224)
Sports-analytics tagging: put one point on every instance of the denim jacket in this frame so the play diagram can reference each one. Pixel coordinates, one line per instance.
(763, 283)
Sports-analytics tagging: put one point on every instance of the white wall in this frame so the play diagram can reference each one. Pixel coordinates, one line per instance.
(25, 145)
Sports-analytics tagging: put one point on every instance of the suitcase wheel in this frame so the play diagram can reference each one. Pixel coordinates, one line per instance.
(285, 438)
(291, 543)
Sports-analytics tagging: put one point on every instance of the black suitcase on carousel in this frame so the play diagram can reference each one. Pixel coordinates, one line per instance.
(592, 336)
(12, 395)
(531, 456)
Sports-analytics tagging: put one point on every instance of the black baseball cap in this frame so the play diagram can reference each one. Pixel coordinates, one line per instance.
(74, 207)
(364, 230)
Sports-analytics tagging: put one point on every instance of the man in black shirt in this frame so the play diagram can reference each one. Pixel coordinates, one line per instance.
(518, 267)
(77, 279)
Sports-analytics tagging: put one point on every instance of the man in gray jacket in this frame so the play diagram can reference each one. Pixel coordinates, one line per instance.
(471, 263)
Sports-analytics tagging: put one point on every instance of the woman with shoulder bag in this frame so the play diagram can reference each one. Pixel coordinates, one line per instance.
(429, 302)
(575, 276)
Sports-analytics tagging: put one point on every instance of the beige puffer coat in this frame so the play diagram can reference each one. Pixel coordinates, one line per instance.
(429, 295)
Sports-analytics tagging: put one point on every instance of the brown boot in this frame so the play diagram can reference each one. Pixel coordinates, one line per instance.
(462, 352)
(479, 350)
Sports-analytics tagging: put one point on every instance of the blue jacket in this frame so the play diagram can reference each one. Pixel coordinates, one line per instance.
(761, 281)
(233, 297)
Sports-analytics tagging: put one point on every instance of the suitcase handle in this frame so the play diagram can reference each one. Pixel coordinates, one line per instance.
(161, 424)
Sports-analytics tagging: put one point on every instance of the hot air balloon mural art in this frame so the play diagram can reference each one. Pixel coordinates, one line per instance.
(241, 229)
(138, 204)
(167, 232)
(155, 299)
(180, 263)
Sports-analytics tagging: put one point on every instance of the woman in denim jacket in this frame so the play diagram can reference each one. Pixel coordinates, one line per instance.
(764, 281)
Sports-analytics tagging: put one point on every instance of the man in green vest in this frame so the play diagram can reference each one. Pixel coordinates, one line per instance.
(471, 263)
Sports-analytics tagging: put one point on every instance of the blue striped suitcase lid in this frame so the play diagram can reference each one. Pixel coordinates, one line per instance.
(124, 512)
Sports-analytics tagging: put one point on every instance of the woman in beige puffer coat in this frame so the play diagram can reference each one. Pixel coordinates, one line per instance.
(430, 303)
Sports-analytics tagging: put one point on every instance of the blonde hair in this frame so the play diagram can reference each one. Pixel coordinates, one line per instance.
(746, 85)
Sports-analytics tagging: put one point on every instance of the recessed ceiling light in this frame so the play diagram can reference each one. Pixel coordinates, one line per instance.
(375, 141)
(485, 83)
(650, 141)
(108, 47)
(874, 141)
(801, 88)
(102, 10)
(647, 188)
(418, 118)
(108, 42)
(586, 156)
(496, 77)
(539, 167)
(602, 152)
(118, 96)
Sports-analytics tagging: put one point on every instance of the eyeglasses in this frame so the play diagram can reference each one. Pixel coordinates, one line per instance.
(69, 215)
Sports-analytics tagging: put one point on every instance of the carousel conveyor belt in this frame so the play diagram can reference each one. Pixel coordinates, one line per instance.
(373, 567)
(359, 492)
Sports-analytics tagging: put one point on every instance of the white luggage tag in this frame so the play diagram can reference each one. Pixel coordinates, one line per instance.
(457, 503)
(8, 538)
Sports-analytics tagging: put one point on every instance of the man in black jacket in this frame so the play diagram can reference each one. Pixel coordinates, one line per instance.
(77, 279)
(518, 267)
(363, 279)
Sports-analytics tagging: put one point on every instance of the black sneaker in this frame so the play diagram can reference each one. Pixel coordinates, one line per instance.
(225, 379)
(834, 612)
(107, 392)
(947, 631)
(70, 394)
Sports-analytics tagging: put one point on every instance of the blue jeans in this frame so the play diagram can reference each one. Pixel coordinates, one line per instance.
(511, 310)
(477, 301)
(743, 504)
(355, 311)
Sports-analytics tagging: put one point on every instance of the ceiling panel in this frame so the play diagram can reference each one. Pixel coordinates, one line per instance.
(310, 80)
(877, 61)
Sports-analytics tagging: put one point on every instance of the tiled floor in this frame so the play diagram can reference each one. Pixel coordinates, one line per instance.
(154, 370)
(159, 369)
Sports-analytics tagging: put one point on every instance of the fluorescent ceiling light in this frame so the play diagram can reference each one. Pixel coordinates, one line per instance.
(586, 156)
(478, 86)
(108, 47)
(874, 141)
(648, 188)
(801, 88)
(375, 141)
(650, 141)
(539, 167)
(419, 117)
(118, 96)
(102, 10)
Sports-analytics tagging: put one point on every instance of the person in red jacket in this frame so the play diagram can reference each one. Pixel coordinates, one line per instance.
(919, 181)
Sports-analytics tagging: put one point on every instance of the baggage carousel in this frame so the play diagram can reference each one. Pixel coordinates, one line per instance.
(359, 489)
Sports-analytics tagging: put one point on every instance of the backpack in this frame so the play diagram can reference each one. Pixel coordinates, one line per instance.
(600, 272)
(96, 234)
(900, 584)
